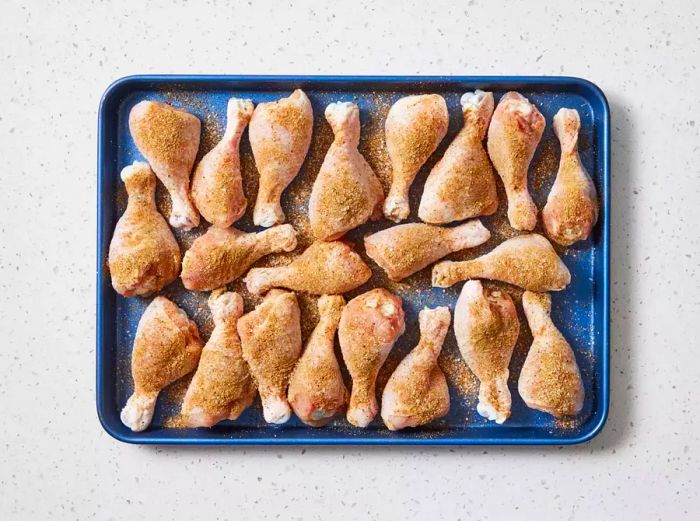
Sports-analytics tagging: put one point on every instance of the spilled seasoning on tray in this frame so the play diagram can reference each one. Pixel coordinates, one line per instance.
(459, 377)
(175, 422)
(568, 423)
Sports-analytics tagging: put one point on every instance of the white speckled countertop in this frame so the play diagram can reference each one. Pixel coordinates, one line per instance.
(55, 460)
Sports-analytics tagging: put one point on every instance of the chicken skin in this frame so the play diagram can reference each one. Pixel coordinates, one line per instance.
(487, 328)
(405, 249)
(325, 268)
(316, 389)
(417, 391)
(346, 192)
(571, 211)
(369, 326)
(222, 255)
(280, 135)
(169, 140)
(414, 127)
(217, 186)
(271, 340)
(166, 348)
(143, 256)
(550, 380)
(528, 261)
(222, 387)
(463, 184)
(515, 131)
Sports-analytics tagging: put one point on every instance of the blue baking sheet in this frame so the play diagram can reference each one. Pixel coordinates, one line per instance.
(581, 311)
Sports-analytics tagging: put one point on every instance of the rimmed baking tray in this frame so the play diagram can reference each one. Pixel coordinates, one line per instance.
(581, 311)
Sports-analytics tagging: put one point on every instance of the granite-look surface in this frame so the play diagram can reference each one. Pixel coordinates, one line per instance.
(55, 62)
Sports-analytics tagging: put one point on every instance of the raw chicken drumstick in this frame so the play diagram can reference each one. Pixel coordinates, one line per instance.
(166, 348)
(572, 205)
(417, 391)
(143, 256)
(369, 327)
(346, 193)
(487, 327)
(515, 131)
(325, 268)
(316, 388)
(280, 135)
(407, 248)
(222, 387)
(169, 140)
(271, 339)
(217, 186)
(222, 255)
(550, 380)
(414, 128)
(528, 261)
(463, 184)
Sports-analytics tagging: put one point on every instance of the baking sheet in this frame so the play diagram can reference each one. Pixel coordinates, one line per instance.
(580, 311)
